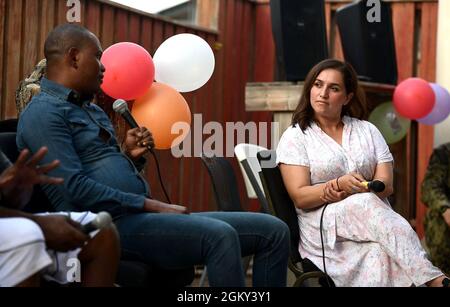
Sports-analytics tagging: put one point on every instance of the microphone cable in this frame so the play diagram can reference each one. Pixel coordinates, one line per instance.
(159, 176)
(120, 106)
(323, 247)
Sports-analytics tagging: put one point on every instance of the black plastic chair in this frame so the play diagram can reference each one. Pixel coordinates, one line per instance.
(131, 273)
(283, 207)
(225, 189)
(224, 183)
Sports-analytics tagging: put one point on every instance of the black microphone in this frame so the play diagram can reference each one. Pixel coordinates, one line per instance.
(376, 186)
(102, 220)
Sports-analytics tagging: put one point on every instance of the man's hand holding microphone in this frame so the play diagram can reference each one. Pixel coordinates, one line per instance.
(138, 141)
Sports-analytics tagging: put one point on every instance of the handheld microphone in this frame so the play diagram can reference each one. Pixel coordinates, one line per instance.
(102, 220)
(376, 186)
(120, 106)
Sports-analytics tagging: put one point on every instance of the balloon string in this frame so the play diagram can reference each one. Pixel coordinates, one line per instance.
(160, 178)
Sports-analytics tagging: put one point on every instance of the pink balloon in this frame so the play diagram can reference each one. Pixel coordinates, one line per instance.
(129, 71)
(414, 98)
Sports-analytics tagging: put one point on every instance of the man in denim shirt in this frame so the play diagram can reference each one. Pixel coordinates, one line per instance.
(99, 177)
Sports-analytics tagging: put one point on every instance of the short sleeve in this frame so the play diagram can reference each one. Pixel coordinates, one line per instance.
(382, 152)
(292, 148)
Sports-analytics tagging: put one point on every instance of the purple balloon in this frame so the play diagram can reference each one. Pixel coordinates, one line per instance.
(441, 107)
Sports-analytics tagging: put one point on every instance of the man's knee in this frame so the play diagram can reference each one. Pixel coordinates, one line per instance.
(276, 224)
(270, 226)
(281, 229)
(109, 236)
(222, 233)
(106, 241)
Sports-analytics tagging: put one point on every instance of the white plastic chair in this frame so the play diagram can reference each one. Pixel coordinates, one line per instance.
(248, 162)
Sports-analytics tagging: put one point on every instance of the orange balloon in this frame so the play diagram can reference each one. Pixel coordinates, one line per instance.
(158, 110)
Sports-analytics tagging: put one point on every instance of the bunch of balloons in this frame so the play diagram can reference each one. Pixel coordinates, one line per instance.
(428, 103)
(183, 63)
(414, 99)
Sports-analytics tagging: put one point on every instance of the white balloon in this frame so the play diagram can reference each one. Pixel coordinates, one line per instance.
(185, 62)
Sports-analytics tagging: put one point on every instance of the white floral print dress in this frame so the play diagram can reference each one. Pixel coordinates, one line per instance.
(366, 242)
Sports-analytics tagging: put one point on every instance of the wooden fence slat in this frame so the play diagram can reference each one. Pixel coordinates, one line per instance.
(426, 70)
(201, 106)
(169, 31)
(146, 34)
(238, 50)
(265, 54)
(121, 26)
(209, 104)
(92, 21)
(3, 11)
(186, 165)
(218, 87)
(61, 12)
(194, 106)
(158, 34)
(403, 15)
(228, 73)
(134, 28)
(403, 26)
(427, 63)
(13, 56)
(236, 109)
(30, 51)
(108, 26)
(243, 74)
(47, 23)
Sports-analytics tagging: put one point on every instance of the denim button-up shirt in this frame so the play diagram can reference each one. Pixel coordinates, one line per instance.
(97, 175)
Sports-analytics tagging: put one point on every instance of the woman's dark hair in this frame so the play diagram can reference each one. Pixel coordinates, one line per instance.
(304, 114)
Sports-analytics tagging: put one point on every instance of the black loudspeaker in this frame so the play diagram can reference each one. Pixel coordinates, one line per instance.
(299, 32)
(368, 40)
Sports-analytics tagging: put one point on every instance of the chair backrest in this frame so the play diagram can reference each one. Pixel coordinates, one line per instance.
(250, 168)
(8, 125)
(283, 207)
(224, 183)
(8, 145)
(279, 199)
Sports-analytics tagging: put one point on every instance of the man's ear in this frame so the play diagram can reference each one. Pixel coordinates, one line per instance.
(73, 57)
(349, 97)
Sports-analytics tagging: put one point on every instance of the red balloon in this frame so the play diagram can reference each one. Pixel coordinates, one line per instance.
(129, 71)
(414, 98)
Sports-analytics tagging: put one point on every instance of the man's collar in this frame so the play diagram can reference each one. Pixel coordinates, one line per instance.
(63, 92)
(75, 98)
